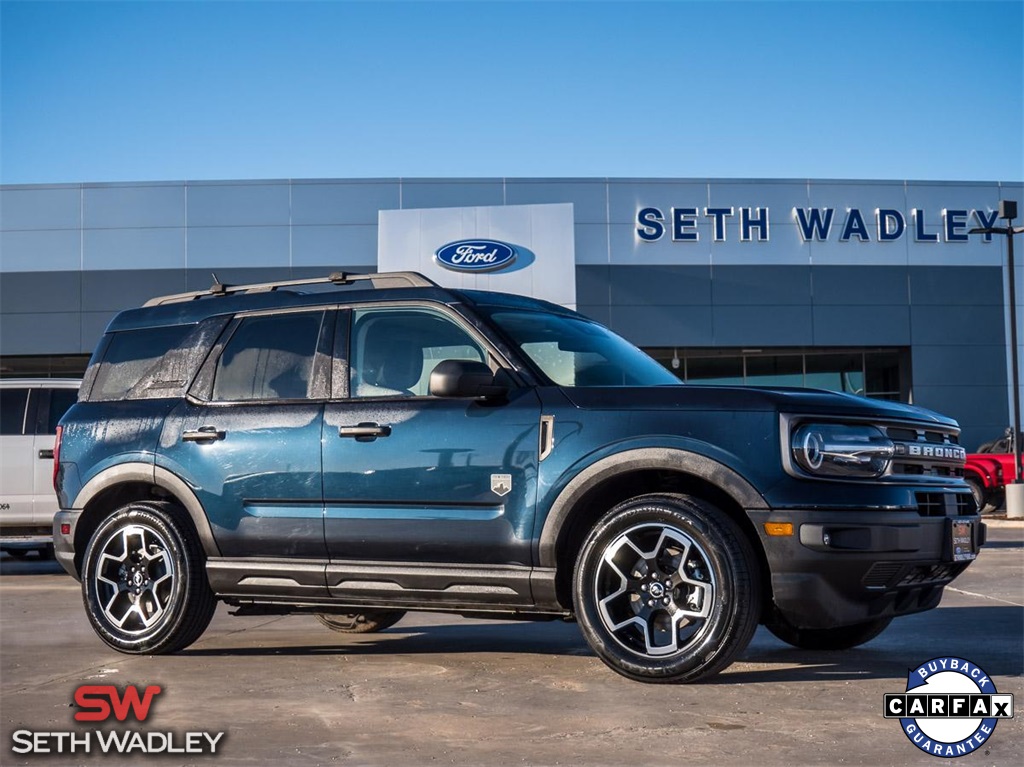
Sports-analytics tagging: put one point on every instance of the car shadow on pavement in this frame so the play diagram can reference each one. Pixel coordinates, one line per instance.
(991, 637)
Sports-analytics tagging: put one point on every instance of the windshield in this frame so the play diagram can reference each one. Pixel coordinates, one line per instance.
(575, 352)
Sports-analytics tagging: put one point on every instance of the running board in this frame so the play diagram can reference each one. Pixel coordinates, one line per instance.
(384, 583)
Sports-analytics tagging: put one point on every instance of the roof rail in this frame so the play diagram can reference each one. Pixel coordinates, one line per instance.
(378, 281)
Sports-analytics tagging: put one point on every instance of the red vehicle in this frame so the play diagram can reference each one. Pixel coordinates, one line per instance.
(988, 471)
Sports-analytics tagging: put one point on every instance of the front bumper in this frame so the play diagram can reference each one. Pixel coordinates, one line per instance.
(845, 567)
(64, 543)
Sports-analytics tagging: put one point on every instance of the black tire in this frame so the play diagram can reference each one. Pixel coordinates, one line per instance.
(637, 609)
(365, 622)
(18, 553)
(980, 496)
(840, 638)
(144, 569)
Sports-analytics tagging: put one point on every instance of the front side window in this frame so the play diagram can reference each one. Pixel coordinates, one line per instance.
(577, 352)
(393, 351)
(268, 358)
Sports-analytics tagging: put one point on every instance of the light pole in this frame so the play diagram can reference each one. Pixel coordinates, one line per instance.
(1014, 492)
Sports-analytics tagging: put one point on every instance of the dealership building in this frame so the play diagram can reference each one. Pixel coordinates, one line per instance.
(870, 287)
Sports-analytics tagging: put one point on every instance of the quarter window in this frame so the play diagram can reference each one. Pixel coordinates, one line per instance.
(394, 350)
(269, 358)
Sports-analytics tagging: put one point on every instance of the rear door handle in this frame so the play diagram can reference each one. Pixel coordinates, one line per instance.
(46, 455)
(203, 434)
(365, 432)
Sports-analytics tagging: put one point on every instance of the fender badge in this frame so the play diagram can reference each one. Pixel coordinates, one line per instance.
(501, 484)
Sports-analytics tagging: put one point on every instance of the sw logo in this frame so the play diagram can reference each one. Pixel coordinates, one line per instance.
(100, 700)
(105, 703)
(950, 707)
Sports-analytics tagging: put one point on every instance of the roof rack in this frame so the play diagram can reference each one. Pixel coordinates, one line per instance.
(379, 281)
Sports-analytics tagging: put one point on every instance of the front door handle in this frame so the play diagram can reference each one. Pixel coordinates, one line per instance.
(203, 434)
(365, 432)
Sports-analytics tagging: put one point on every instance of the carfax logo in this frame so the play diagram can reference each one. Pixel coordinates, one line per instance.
(101, 703)
(950, 708)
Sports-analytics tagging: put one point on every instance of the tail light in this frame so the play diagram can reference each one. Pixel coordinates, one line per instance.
(56, 457)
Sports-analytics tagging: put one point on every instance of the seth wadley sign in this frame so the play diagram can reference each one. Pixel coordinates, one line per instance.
(821, 224)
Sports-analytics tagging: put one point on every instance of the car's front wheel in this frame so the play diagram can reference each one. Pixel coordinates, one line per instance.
(143, 580)
(665, 591)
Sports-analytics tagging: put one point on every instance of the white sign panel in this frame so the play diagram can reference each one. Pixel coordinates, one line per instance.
(524, 249)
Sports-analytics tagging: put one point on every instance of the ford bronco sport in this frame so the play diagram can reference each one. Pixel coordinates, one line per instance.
(356, 453)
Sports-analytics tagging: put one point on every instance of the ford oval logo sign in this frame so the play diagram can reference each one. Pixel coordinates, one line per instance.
(475, 255)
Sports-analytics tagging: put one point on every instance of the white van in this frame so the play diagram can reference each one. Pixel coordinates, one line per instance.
(29, 411)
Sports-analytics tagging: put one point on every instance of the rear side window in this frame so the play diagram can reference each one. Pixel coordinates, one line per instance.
(269, 358)
(12, 411)
(130, 355)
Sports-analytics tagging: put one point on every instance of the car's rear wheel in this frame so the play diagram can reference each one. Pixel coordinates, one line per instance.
(18, 553)
(143, 580)
(664, 589)
(365, 622)
(839, 638)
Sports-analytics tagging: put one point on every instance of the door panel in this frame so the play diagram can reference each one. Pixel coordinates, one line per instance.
(53, 403)
(424, 492)
(260, 482)
(17, 461)
(414, 478)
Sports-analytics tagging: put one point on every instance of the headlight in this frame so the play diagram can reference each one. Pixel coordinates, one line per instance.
(838, 450)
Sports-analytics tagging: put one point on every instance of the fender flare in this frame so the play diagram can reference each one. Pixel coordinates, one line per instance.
(153, 475)
(640, 459)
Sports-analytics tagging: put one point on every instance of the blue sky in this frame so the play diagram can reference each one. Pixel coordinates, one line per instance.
(170, 91)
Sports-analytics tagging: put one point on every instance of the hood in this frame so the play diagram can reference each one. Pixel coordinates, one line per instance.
(733, 398)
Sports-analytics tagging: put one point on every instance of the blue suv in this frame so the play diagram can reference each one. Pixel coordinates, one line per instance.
(362, 445)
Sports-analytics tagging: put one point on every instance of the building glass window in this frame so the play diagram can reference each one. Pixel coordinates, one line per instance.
(882, 373)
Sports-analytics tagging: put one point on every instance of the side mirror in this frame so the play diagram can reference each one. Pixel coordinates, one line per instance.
(463, 378)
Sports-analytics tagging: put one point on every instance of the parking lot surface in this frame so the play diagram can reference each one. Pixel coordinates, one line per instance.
(439, 689)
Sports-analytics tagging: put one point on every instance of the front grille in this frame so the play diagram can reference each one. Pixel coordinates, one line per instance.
(920, 574)
(881, 574)
(925, 452)
(945, 504)
(886, 575)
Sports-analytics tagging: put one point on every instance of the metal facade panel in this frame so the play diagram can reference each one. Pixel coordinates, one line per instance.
(238, 246)
(660, 285)
(955, 286)
(588, 198)
(133, 249)
(116, 289)
(41, 249)
(113, 207)
(31, 292)
(334, 246)
(452, 194)
(349, 203)
(652, 325)
(747, 326)
(761, 285)
(859, 285)
(239, 204)
(42, 208)
(627, 198)
(837, 325)
(40, 333)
